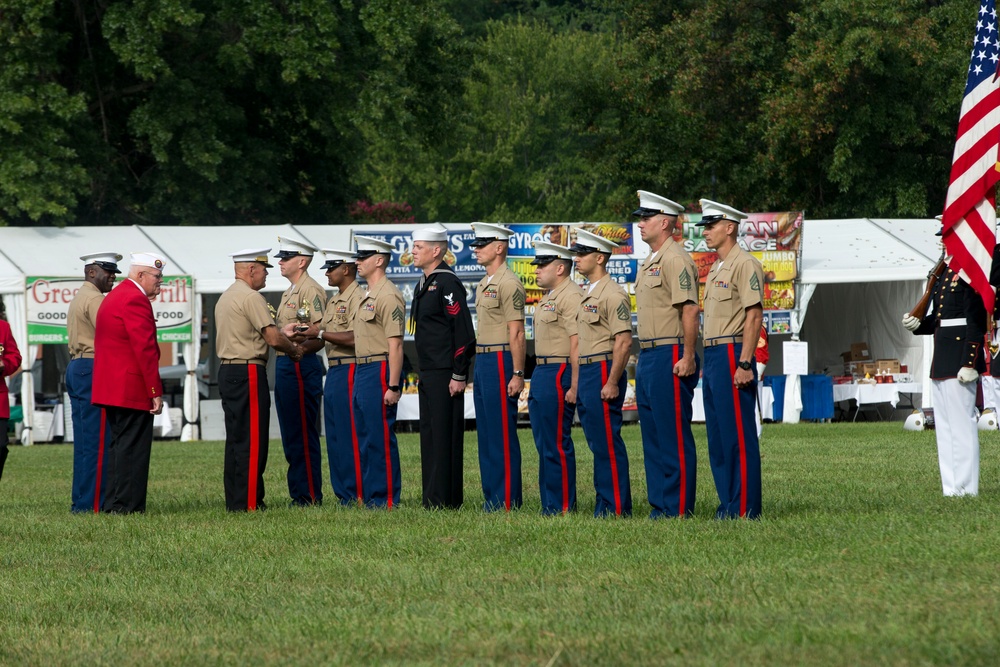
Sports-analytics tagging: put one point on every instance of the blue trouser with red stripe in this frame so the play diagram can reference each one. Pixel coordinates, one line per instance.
(496, 424)
(298, 391)
(90, 438)
(376, 424)
(343, 450)
(551, 424)
(664, 403)
(602, 424)
(733, 449)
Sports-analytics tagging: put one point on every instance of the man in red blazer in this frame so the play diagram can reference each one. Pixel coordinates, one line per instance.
(127, 381)
(10, 362)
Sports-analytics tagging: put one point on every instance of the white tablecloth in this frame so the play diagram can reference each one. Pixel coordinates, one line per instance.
(864, 394)
(409, 407)
(698, 405)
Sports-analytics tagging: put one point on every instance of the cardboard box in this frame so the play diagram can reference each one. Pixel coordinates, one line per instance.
(887, 366)
(858, 352)
(860, 368)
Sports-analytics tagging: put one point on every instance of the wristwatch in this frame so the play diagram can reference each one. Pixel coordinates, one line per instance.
(393, 387)
(319, 336)
(745, 365)
(519, 374)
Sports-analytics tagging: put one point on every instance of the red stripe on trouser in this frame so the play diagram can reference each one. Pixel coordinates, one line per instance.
(385, 437)
(678, 420)
(506, 430)
(560, 395)
(611, 442)
(100, 462)
(254, 439)
(305, 429)
(354, 430)
(739, 432)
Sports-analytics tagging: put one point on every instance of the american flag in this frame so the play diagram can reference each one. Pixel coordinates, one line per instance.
(969, 219)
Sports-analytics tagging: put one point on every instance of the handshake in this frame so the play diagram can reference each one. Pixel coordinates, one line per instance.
(299, 332)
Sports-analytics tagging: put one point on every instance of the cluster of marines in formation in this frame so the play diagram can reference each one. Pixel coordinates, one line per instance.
(583, 340)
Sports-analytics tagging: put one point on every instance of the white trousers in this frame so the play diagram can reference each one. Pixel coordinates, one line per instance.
(991, 392)
(957, 433)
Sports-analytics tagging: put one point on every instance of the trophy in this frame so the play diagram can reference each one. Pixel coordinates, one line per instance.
(302, 315)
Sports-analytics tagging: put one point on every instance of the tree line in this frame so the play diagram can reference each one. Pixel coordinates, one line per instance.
(308, 111)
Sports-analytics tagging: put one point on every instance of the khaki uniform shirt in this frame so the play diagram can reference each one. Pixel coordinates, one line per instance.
(732, 286)
(240, 315)
(604, 313)
(555, 319)
(667, 279)
(498, 301)
(339, 317)
(82, 319)
(306, 293)
(381, 315)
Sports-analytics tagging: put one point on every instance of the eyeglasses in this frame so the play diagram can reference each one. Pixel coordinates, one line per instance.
(158, 277)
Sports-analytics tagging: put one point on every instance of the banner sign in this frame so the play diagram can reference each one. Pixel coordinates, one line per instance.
(459, 256)
(773, 238)
(48, 300)
(563, 234)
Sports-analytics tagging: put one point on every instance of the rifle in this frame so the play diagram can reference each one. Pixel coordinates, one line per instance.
(920, 309)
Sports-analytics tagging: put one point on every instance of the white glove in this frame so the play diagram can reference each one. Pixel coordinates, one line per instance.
(967, 375)
(910, 322)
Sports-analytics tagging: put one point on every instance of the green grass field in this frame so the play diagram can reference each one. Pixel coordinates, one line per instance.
(858, 560)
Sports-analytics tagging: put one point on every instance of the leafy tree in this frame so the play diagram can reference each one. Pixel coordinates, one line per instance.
(40, 172)
(837, 107)
(692, 79)
(864, 120)
(196, 111)
(524, 134)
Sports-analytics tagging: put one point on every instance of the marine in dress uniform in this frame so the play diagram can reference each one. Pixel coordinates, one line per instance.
(666, 299)
(127, 381)
(604, 324)
(555, 380)
(499, 371)
(445, 341)
(990, 382)
(10, 361)
(378, 344)
(343, 450)
(734, 296)
(244, 330)
(90, 433)
(957, 320)
(298, 385)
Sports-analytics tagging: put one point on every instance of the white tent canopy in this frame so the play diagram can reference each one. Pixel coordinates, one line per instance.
(858, 277)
